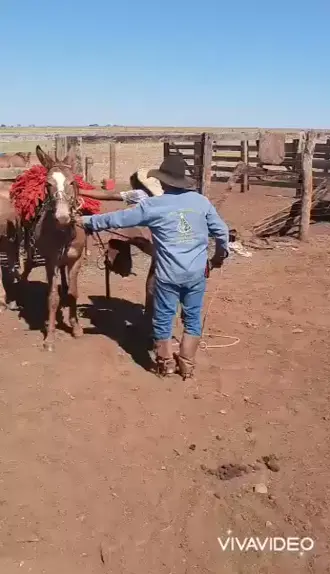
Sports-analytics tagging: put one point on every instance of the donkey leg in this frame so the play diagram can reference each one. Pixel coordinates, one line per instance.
(53, 303)
(73, 271)
(28, 266)
(9, 276)
(2, 292)
(23, 282)
(64, 282)
(8, 285)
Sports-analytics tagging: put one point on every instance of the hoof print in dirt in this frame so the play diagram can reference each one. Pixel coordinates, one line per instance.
(230, 471)
(271, 461)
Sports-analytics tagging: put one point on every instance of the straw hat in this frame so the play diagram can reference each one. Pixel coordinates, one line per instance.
(150, 183)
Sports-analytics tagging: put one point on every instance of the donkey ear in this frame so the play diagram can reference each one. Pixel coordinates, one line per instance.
(70, 159)
(44, 158)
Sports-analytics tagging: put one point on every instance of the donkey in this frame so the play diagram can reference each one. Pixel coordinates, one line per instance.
(18, 159)
(59, 239)
(9, 247)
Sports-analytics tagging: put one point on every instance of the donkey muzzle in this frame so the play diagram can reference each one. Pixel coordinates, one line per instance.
(62, 213)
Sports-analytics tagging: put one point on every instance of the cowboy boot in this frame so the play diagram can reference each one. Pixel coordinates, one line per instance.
(186, 357)
(164, 358)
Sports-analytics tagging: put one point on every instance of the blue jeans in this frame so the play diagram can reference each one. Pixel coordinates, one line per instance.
(167, 296)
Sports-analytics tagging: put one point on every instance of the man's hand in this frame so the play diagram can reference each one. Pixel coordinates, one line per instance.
(85, 221)
(217, 262)
(218, 258)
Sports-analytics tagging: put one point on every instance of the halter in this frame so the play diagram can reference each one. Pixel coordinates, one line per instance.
(75, 203)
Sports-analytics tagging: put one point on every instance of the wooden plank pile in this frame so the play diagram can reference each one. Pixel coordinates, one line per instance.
(288, 219)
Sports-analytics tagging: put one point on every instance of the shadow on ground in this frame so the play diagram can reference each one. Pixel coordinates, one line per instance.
(122, 321)
(33, 307)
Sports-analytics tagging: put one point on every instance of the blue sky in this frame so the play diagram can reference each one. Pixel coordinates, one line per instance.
(179, 62)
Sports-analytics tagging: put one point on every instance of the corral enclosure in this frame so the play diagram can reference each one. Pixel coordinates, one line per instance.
(144, 147)
(107, 469)
(211, 157)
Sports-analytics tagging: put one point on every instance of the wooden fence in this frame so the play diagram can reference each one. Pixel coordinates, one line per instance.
(213, 157)
(195, 148)
(226, 156)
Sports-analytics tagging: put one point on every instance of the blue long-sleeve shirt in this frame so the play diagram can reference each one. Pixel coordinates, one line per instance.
(181, 223)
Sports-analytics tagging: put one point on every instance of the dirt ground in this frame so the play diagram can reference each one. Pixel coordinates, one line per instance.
(104, 465)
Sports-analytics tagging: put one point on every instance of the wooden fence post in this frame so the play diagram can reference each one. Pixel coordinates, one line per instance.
(61, 147)
(307, 184)
(88, 169)
(112, 160)
(198, 163)
(207, 143)
(245, 159)
(298, 146)
(166, 149)
(76, 143)
(327, 157)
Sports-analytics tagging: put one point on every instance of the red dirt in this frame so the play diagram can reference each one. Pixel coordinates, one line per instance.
(103, 464)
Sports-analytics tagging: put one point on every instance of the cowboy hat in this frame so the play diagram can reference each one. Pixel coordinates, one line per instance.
(150, 183)
(172, 173)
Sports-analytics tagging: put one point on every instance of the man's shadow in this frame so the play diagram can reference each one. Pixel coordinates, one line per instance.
(122, 321)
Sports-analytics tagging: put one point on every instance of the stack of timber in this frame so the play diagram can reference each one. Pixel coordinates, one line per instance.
(288, 219)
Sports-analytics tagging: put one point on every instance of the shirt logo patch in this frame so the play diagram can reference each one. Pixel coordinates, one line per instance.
(184, 227)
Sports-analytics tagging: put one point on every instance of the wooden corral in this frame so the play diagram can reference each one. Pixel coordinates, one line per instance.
(213, 157)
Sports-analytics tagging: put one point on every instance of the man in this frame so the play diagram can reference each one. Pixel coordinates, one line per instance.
(180, 221)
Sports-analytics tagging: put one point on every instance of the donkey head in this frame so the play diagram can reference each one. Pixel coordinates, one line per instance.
(62, 189)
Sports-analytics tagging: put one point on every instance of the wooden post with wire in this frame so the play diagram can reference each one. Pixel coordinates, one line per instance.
(307, 184)
(207, 143)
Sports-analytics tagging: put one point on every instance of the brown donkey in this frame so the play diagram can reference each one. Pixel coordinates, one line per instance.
(9, 248)
(18, 159)
(59, 240)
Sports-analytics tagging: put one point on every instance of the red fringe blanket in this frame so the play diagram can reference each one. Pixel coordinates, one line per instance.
(29, 191)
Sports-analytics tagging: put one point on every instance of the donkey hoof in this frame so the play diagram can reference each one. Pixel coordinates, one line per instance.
(77, 331)
(12, 306)
(48, 346)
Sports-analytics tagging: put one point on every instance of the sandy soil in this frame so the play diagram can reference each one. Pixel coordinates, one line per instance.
(104, 465)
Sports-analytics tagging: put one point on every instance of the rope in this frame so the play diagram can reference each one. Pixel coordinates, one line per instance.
(203, 345)
(103, 253)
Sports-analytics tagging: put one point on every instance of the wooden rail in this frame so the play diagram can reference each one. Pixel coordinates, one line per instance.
(209, 157)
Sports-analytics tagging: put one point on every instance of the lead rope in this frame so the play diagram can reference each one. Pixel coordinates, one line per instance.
(203, 345)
